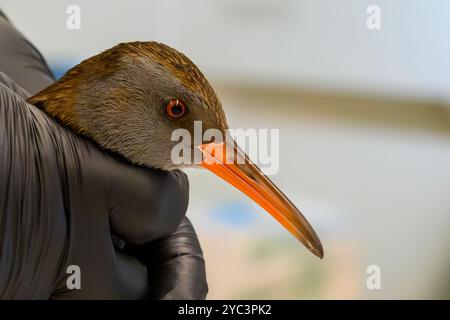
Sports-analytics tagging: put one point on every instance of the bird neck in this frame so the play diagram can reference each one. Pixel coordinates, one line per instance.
(59, 101)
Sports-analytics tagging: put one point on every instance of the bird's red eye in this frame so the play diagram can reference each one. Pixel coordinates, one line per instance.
(175, 108)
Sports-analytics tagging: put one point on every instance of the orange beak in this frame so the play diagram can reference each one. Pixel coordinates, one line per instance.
(234, 166)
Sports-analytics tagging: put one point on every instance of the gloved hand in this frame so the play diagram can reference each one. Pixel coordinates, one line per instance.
(62, 198)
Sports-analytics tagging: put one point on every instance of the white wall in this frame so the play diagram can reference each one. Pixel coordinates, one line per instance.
(309, 43)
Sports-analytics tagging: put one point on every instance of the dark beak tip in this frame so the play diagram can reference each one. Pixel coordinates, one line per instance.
(319, 253)
(316, 248)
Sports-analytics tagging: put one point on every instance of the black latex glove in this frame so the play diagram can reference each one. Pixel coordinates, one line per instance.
(174, 262)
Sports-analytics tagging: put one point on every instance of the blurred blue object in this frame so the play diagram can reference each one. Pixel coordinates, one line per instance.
(59, 69)
(235, 214)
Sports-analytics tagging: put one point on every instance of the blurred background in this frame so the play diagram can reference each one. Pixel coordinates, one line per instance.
(364, 132)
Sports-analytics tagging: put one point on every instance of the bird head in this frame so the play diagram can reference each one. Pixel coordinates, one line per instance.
(130, 99)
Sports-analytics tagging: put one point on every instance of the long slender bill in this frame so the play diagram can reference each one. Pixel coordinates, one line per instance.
(230, 163)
